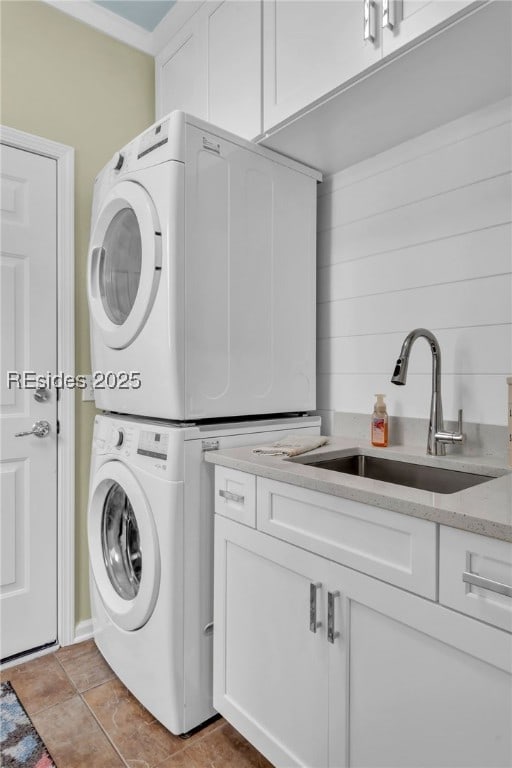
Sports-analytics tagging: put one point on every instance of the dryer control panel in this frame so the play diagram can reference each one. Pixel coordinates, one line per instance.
(155, 137)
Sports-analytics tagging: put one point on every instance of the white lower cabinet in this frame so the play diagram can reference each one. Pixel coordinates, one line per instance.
(428, 687)
(271, 671)
(475, 576)
(387, 679)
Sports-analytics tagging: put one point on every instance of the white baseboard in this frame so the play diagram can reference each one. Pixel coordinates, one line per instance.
(29, 657)
(83, 631)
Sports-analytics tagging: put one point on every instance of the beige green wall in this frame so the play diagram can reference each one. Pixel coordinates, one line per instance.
(65, 81)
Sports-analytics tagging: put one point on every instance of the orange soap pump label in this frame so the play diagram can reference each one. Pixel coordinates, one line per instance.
(379, 423)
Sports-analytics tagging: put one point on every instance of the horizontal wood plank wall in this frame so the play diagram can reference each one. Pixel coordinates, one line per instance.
(420, 235)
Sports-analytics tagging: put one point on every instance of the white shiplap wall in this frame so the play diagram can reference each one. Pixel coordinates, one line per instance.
(420, 235)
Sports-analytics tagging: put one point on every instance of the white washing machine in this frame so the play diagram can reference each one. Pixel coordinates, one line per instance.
(150, 532)
(201, 277)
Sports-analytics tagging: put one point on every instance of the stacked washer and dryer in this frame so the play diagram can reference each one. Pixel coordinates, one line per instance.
(201, 288)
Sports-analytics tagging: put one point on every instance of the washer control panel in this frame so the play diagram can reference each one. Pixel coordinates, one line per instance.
(153, 444)
(150, 447)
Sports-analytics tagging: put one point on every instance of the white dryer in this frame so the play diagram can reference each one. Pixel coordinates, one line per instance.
(150, 532)
(201, 276)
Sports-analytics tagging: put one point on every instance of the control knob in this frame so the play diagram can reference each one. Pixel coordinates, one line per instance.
(120, 161)
(118, 438)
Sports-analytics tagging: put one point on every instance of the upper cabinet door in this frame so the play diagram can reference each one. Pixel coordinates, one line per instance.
(234, 66)
(412, 18)
(181, 72)
(309, 48)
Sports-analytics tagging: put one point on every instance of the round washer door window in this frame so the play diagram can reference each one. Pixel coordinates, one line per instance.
(125, 259)
(120, 541)
(123, 546)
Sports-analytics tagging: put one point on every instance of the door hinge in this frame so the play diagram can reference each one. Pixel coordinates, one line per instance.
(58, 427)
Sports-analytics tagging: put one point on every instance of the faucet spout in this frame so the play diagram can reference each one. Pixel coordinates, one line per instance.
(400, 372)
(437, 436)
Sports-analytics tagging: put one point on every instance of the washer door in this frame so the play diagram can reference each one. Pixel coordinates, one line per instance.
(123, 546)
(125, 259)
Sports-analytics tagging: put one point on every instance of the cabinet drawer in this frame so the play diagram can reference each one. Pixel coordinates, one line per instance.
(391, 546)
(235, 495)
(475, 576)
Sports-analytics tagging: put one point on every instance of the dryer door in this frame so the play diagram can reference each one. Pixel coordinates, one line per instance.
(123, 546)
(125, 258)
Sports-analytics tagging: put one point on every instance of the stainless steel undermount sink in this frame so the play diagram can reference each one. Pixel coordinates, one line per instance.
(435, 479)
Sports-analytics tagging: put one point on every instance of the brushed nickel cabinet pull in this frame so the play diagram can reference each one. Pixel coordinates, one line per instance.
(331, 633)
(389, 19)
(229, 496)
(369, 21)
(492, 586)
(313, 623)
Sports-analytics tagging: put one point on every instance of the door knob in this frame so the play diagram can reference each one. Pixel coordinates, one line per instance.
(41, 395)
(39, 429)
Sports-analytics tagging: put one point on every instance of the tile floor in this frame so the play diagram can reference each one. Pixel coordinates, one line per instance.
(88, 719)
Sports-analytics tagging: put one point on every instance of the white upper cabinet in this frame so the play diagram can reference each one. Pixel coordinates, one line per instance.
(249, 65)
(180, 73)
(312, 47)
(234, 66)
(409, 19)
(212, 67)
(309, 48)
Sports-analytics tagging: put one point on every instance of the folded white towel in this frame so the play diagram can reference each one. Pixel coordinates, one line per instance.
(292, 445)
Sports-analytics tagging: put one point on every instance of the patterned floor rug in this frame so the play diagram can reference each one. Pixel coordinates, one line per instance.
(20, 744)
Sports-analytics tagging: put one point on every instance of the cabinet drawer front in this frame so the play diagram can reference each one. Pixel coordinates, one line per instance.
(235, 495)
(391, 546)
(475, 576)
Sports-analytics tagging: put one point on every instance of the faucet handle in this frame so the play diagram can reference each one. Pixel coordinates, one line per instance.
(443, 437)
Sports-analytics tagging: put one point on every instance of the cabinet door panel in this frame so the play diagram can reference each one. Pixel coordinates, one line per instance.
(310, 47)
(181, 73)
(234, 67)
(424, 701)
(270, 671)
(416, 17)
(428, 687)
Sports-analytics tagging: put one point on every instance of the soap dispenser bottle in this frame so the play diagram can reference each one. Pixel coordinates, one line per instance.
(379, 423)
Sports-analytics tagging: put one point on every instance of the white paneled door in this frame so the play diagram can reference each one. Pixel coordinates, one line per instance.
(28, 479)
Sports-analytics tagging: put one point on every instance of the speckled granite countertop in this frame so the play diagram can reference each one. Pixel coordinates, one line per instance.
(484, 508)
